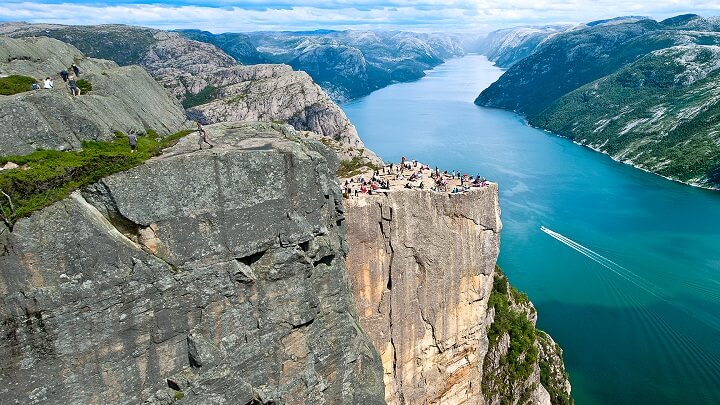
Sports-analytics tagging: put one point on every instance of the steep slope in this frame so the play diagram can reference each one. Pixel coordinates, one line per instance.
(507, 46)
(641, 91)
(238, 46)
(159, 284)
(661, 113)
(522, 364)
(422, 266)
(348, 64)
(199, 73)
(122, 99)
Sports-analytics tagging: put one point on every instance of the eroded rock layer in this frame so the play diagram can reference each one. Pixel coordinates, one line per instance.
(213, 276)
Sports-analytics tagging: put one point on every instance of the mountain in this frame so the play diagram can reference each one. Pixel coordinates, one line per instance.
(238, 46)
(211, 83)
(507, 46)
(644, 92)
(346, 64)
(235, 274)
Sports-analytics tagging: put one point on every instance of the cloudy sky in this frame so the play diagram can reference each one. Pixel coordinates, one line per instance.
(417, 15)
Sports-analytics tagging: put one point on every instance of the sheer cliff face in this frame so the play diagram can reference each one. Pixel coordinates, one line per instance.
(422, 265)
(213, 276)
(123, 99)
(448, 326)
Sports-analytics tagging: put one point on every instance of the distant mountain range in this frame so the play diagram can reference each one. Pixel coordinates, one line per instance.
(645, 92)
(346, 64)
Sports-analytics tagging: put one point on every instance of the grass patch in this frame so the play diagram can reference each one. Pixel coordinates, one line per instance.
(15, 84)
(47, 176)
(349, 168)
(84, 86)
(205, 95)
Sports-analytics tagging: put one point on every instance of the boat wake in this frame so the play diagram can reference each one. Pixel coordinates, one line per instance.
(709, 319)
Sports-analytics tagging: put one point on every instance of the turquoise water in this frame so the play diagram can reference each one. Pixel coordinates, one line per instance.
(643, 329)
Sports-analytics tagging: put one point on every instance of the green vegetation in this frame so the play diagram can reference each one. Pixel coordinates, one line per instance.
(205, 95)
(15, 84)
(349, 168)
(178, 396)
(516, 324)
(47, 176)
(629, 90)
(653, 129)
(84, 86)
(517, 365)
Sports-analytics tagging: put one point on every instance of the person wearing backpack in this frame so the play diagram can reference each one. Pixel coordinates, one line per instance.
(132, 139)
(64, 75)
(75, 69)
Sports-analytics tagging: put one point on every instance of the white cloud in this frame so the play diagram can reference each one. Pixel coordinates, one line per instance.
(424, 15)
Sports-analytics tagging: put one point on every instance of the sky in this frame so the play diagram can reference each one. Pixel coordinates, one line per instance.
(412, 15)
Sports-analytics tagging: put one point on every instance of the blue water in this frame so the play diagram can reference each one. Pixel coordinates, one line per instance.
(646, 332)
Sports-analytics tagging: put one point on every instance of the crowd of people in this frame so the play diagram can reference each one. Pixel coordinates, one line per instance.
(411, 175)
(70, 80)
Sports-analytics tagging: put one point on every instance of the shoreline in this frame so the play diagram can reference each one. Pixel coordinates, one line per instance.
(624, 162)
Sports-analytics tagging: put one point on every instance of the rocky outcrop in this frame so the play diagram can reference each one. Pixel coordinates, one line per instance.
(122, 99)
(205, 77)
(423, 273)
(275, 92)
(213, 276)
(422, 265)
(522, 365)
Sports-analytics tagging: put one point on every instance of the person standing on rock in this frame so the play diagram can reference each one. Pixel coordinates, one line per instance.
(132, 139)
(75, 69)
(203, 136)
(48, 83)
(72, 84)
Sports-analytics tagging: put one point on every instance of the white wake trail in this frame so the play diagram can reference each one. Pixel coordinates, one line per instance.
(605, 262)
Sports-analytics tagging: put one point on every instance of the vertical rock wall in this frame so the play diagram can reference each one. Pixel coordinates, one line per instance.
(421, 265)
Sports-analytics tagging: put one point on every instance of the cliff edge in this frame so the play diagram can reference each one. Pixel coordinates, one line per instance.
(158, 284)
(423, 269)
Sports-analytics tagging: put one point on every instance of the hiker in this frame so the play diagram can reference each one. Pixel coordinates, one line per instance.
(203, 135)
(48, 84)
(64, 75)
(132, 139)
(75, 69)
(35, 86)
(72, 84)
